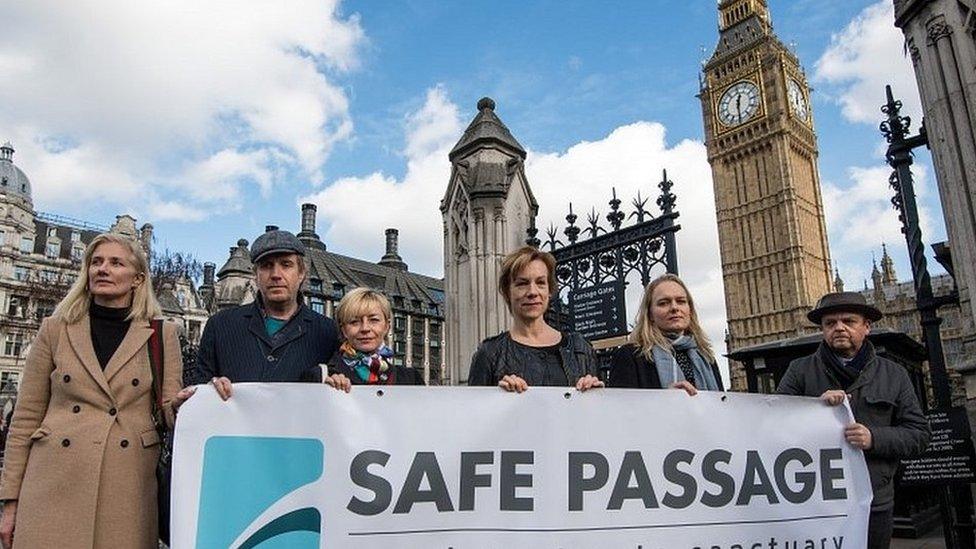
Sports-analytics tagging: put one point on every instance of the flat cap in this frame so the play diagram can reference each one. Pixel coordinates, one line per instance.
(276, 242)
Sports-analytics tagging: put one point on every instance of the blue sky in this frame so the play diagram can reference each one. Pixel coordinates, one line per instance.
(213, 120)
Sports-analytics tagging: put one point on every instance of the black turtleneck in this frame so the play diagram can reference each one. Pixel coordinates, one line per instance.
(108, 329)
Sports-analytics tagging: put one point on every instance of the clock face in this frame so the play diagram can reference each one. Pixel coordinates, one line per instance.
(738, 104)
(798, 102)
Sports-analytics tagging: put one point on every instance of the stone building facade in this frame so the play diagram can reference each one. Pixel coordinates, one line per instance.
(897, 301)
(940, 37)
(417, 336)
(759, 133)
(40, 255)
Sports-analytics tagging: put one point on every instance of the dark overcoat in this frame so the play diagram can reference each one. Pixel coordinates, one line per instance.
(236, 345)
(630, 369)
(882, 399)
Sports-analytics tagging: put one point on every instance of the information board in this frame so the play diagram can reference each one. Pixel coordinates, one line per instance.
(599, 311)
(949, 457)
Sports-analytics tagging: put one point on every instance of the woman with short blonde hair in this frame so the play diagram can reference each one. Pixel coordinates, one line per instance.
(86, 414)
(364, 317)
(668, 347)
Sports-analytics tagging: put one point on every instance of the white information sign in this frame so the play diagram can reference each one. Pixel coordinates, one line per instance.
(298, 465)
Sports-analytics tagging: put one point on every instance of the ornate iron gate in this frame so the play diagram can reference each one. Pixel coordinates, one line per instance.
(608, 255)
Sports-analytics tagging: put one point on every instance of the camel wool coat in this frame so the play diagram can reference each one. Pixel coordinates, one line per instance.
(82, 450)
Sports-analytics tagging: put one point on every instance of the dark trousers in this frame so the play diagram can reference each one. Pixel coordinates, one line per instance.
(880, 525)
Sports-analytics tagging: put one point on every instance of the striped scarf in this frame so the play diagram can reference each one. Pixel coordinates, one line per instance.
(372, 368)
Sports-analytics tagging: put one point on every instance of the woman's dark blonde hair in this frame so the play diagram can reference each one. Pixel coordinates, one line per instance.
(518, 260)
(646, 334)
(357, 304)
(144, 307)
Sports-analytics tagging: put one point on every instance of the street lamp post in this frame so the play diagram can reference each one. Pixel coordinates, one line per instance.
(957, 502)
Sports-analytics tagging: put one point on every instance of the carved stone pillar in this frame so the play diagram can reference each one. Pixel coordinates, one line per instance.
(486, 211)
(940, 36)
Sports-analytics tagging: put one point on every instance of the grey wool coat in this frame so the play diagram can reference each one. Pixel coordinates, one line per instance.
(882, 399)
(82, 450)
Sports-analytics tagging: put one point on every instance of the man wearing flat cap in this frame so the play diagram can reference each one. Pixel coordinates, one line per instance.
(275, 338)
(889, 425)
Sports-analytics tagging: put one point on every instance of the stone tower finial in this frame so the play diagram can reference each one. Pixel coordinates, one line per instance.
(486, 103)
(838, 281)
(486, 129)
(876, 278)
(888, 275)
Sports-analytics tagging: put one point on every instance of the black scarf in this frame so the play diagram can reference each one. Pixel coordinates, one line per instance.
(848, 373)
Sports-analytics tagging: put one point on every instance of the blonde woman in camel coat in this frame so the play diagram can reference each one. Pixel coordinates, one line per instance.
(81, 455)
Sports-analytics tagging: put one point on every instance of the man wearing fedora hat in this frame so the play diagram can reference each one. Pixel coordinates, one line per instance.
(275, 338)
(889, 425)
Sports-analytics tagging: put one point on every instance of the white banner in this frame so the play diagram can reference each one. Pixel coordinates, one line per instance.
(293, 465)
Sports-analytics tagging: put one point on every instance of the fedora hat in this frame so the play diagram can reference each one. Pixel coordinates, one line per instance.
(843, 302)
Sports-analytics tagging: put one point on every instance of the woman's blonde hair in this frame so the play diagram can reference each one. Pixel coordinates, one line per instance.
(518, 260)
(357, 304)
(646, 334)
(74, 306)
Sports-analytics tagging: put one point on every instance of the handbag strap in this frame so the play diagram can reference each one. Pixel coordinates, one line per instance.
(156, 361)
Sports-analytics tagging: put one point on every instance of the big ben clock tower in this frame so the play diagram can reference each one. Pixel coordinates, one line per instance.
(763, 152)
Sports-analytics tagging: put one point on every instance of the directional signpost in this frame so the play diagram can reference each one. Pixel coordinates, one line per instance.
(598, 311)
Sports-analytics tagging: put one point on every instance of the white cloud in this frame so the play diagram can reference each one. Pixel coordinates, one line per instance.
(631, 159)
(864, 57)
(218, 177)
(860, 218)
(128, 87)
(165, 211)
(357, 210)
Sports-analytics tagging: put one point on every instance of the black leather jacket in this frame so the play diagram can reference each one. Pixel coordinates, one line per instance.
(500, 356)
(882, 399)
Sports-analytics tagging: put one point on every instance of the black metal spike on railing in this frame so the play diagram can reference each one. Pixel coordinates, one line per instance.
(640, 211)
(667, 198)
(571, 231)
(593, 219)
(615, 217)
(552, 241)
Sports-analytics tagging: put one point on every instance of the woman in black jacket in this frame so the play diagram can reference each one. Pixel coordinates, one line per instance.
(667, 348)
(532, 352)
(364, 318)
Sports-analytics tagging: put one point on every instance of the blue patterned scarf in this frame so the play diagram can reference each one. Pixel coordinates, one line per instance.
(669, 372)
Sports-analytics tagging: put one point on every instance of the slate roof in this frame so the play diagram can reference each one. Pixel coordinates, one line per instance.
(63, 230)
(351, 272)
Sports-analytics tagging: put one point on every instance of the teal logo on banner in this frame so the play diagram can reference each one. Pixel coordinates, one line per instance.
(243, 477)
